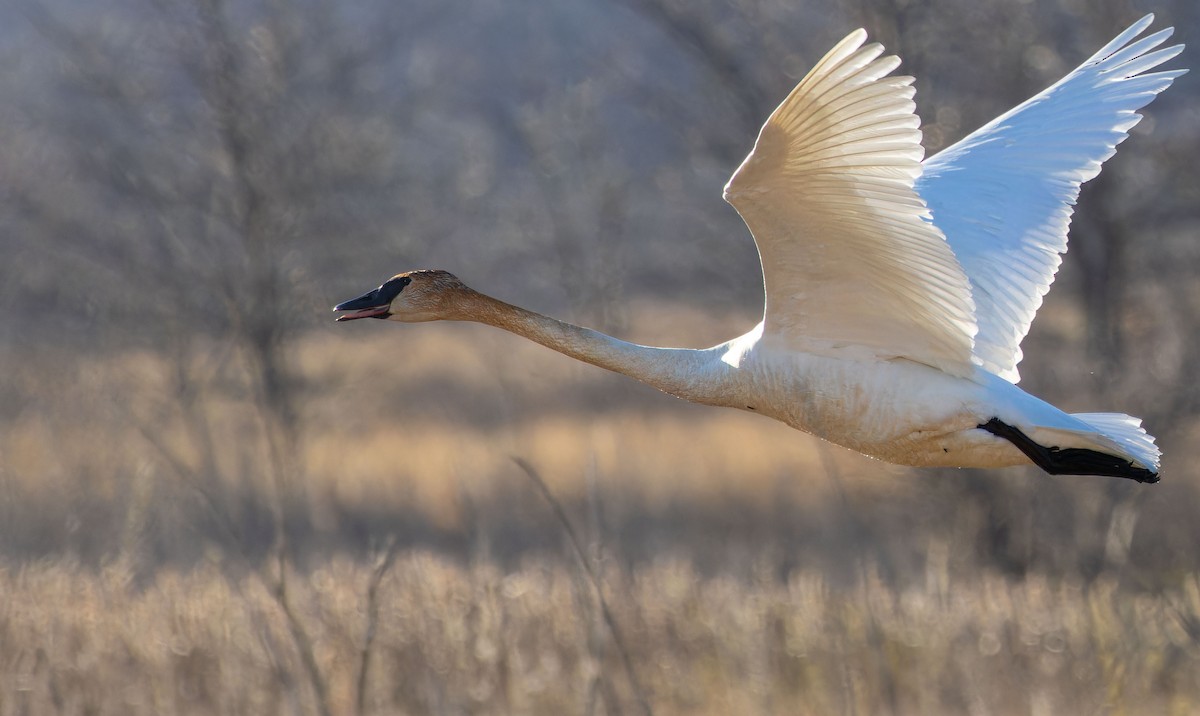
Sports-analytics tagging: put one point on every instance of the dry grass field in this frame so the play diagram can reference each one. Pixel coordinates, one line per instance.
(747, 568)
(456, 638)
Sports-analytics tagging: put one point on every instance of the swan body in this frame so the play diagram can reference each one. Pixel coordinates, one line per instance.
(897, 290)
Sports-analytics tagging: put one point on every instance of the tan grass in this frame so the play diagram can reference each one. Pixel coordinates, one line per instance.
(478, 640)
(422, 423)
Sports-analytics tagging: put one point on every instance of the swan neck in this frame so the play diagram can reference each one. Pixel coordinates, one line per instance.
(690, 374)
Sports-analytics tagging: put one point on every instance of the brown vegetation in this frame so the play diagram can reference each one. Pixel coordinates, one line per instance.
(474, 638)
(758, 571)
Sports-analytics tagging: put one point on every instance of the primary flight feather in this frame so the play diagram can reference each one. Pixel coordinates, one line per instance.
(1003, 195)
(897, 291)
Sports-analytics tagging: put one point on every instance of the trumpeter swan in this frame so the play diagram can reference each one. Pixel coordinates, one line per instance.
(897, 290)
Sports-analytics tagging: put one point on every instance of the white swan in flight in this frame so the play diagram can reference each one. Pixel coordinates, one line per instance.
(897, 291)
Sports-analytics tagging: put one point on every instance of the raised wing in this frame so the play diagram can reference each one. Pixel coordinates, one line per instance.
(1004, 195)
(852, 266)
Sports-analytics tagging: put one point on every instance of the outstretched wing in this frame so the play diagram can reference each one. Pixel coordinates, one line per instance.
(1003, 196)
(852, 265)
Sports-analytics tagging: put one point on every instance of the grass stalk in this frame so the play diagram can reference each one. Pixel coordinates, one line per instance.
(383, 562)
(581, 556)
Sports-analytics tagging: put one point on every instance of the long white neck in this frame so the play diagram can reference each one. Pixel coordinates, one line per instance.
(691, 374)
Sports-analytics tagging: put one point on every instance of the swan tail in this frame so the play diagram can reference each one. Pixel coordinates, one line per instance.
(1106, 444)
(1129, 436)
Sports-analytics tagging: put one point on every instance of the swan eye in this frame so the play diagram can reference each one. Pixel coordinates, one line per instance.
(392, 288)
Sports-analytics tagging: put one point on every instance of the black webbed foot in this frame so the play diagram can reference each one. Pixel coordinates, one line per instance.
(1069, 461)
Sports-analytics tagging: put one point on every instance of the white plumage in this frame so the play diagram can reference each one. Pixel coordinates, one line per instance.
(1003, 195)
(852, 265)
(897, 292)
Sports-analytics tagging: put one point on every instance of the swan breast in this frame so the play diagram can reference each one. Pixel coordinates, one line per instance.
(894, 410)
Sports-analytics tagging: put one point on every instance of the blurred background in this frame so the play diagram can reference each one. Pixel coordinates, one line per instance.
(215, 500)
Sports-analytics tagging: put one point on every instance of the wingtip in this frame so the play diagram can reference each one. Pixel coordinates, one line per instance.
(847, 46)
(1124, 38)
(1128, 34)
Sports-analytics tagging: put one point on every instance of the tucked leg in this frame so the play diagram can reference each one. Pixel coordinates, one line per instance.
(1068, 461)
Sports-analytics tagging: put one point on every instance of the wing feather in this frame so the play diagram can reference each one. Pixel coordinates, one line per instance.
(1004, 194)
(852, 265)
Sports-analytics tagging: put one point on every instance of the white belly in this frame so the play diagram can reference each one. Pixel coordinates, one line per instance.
(897, 411)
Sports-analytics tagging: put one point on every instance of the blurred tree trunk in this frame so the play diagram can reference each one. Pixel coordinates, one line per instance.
(1098, 243)
(257, 299)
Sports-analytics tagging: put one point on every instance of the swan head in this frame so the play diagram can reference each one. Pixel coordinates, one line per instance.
(411, 297)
